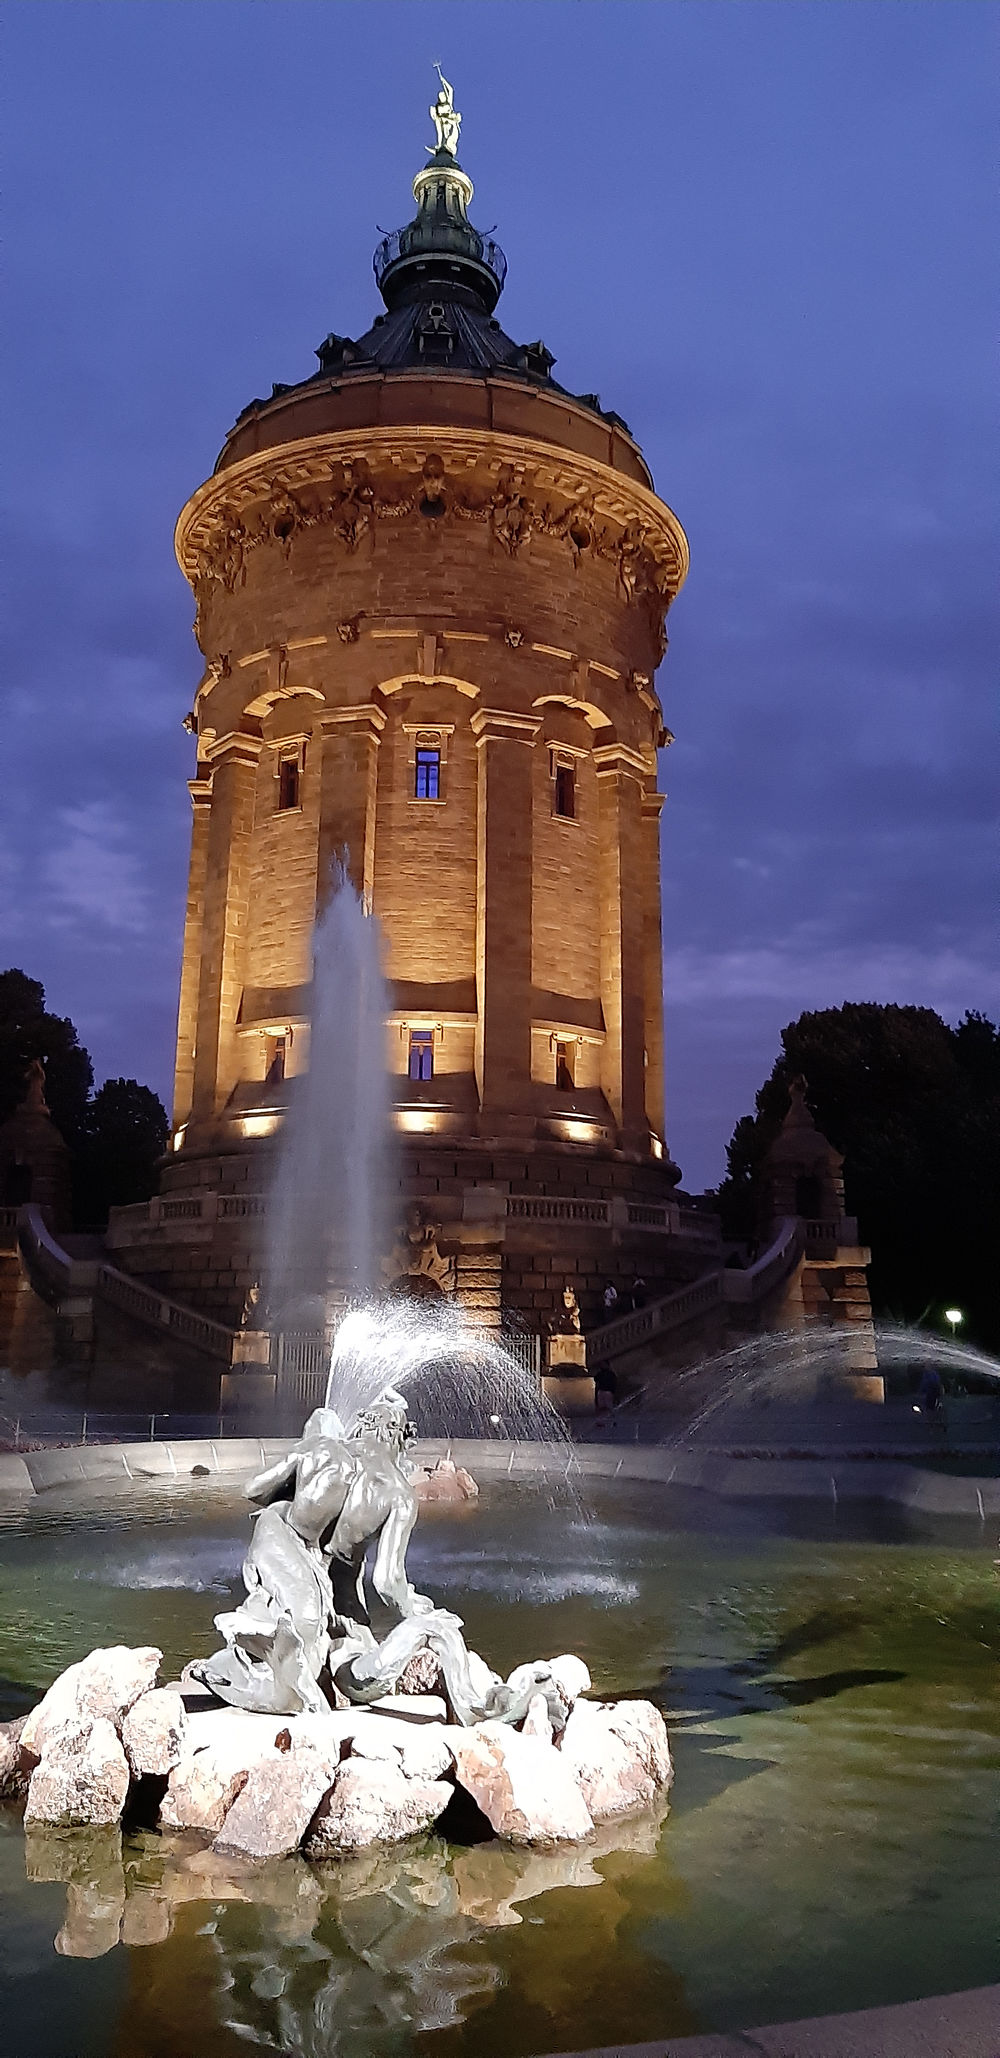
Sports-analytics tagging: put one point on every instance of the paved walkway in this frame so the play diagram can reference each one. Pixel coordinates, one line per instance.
(949, 2026)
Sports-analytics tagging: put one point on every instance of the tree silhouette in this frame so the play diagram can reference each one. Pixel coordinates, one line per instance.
(914, 1106)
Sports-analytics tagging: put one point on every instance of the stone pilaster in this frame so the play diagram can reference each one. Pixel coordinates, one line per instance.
(620, 773)
(187, 1011)
(652, 804)
(478, 1286)
(348, 787)
(224, 922)
(504, 742)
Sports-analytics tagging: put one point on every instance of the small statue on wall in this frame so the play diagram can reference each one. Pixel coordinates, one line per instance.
(567, 1321)
(252, 1316)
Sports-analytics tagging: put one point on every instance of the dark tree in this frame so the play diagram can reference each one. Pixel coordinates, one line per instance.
(126, 1135)
(28, 1031)
(115, 1137)
(915, 1108)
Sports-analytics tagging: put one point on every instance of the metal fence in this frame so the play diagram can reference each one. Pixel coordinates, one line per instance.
(53, 1427)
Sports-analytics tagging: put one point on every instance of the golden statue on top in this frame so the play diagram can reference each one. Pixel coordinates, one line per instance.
(444, 114)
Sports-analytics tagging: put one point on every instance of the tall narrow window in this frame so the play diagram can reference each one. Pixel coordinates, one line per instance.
(421, 1064)
(428, 775)
(288, 782)
(564, 1065)
(565, 792)
(275, 1055)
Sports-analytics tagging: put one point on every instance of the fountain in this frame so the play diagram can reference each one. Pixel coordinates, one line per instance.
(336, 1774)
(369, 1817)
(825, 1673)
(329, 1208)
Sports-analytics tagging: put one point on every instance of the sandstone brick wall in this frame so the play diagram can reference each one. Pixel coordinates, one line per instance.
(496, 584)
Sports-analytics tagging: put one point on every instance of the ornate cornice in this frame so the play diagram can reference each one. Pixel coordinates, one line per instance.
(354, 481)
(504, 725)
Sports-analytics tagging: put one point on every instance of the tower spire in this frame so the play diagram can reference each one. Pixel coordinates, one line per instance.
(439, 252)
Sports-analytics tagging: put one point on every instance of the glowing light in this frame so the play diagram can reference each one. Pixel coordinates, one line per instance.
(418, 1121)
(655, 1145)
(954, 1316)
(579, 1132)
(179, 1135)
(259, 1125)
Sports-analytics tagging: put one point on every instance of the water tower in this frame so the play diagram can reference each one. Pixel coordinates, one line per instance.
(431, 588)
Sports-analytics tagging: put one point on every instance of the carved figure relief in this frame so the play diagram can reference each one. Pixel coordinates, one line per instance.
(510, 514)
(416, 1255)
(284, 497)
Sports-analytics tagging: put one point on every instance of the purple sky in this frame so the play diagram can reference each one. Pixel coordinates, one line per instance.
(758, 229)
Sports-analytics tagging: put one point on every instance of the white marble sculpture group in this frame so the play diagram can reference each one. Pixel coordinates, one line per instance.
(308, 1731)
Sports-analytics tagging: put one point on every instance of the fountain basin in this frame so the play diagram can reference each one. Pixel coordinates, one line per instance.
(828, 1675)
(825, 1476)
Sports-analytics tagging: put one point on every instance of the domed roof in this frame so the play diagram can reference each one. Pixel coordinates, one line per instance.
(440, 279)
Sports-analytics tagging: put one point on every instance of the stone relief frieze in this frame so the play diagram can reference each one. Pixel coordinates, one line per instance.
(283, 496)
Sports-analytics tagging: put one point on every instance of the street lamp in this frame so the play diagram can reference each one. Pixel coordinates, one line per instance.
(953, 1316)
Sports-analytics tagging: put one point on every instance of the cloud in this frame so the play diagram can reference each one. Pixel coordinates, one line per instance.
(92, 874)
(801, 975)
(11, 911)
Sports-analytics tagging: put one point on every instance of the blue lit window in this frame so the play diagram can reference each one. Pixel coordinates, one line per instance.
(421, 1064)
(428, 779)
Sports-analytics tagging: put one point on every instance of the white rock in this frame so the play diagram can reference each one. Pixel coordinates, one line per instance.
(241, 1733)
(202, 1788)
(536, 1721)
(642, 1727)
(571, 1677)
(275, 1806)
(416, 1707)
(422, 1674)
(422, 1749)
(372, 1802)
(523, 1786)
(14, 1766)
(610, 1772)
(102, 1686)
(153, 1732)
(83, 1776)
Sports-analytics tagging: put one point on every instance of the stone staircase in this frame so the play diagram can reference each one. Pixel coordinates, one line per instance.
(72, 1275)
(812, 1274)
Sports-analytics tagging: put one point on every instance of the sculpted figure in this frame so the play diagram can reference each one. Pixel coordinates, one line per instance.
(444, 114)
(302, 1639)
(322, 1507)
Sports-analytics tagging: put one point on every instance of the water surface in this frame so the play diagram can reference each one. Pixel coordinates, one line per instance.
(830, 1683)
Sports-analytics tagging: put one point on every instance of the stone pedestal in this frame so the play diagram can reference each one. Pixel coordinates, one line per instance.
(566, 1381)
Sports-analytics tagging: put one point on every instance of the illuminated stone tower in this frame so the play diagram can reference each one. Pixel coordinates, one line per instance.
(431, 588)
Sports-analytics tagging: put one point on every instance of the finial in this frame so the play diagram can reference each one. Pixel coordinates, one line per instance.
(34, 1088)
(447, 121)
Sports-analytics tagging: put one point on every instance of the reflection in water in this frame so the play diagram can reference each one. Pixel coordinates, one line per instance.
(395, 1955)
